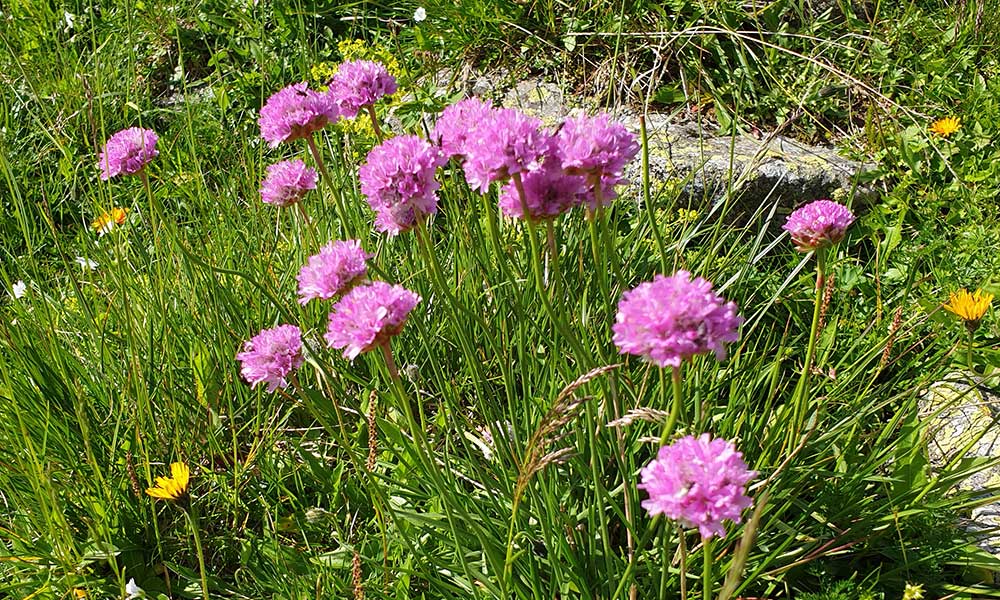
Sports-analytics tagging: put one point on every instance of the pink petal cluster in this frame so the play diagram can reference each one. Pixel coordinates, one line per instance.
(674, 318)
(457, 121)
(548, 192)
(127, 152)
(698, 482)
(368, 316)
(271, 355)
(398, 180)
(595, 146)
(505, 143)
(337, 267)
(818, 224)
(295, 112)
(360, 83)
(287, 182)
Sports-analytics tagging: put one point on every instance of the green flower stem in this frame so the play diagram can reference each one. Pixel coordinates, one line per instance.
(536, 263)
(375, 125)
(607, 242)
(675, 409)
(192, 517)
(310, 227)
(682, 545)
(338, 198)
(968, 355)
(706, 571)
(595, 249)
(425, 455)
(800, 397)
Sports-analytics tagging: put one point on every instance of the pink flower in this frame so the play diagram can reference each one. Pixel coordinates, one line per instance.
(818, 224)
(548, 193)
(456, 122)
(295, 112)
(595, 145)
(504, 143)
(287, 182)
(360, 83)
(271, 355)
(399, 182)
(368, 316)
(127, 152)
(671, 319)
(335, 269)
(698, 482)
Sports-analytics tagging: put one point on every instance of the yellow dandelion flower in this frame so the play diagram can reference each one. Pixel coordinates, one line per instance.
(174, 487)
(913, 592)
(969, 307)
(107, 221)
(78, 593)
(946, 126)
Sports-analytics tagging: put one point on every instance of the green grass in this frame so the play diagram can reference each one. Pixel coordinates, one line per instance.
(107, 376)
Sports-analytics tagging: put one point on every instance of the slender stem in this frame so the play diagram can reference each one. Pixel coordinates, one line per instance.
(802, 389)
(706, 571)
(536, 263)
(606, 239)
(684, 556)
(508, 563)
(968, 356)
(375, 125)
(328, 181)
(390, 363)
(595, 250)
(193, 522)
(665, 560)
(553, 251)
(310, 226)
(676, 408)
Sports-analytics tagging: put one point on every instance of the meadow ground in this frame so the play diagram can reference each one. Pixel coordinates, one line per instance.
(504, 442)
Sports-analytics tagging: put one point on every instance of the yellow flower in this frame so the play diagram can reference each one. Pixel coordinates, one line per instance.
(174, 487)
(946, 126)
(79, 593)
(970, 307)
(913, 592)
(107, 221)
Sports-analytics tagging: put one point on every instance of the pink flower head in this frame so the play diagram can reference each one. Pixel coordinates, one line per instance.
(504, 143)
(698, 482)
(548, 192)
(368, 316)
(127, 152)
(674, 318)
(399, 182)
(456, 121)
(818, 224)
(360, 83)
(295, 112)
(595, 146)
(335, 269)
(287, 182)
(271, 355)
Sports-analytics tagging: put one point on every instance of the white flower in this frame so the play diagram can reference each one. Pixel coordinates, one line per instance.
(20, 289)
(86, 263)
(69, 18)
(420, 14)
(133, 590)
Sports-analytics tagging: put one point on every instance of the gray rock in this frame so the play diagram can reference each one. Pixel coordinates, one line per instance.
(746, 172)
(711, 170)
(961, 412)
